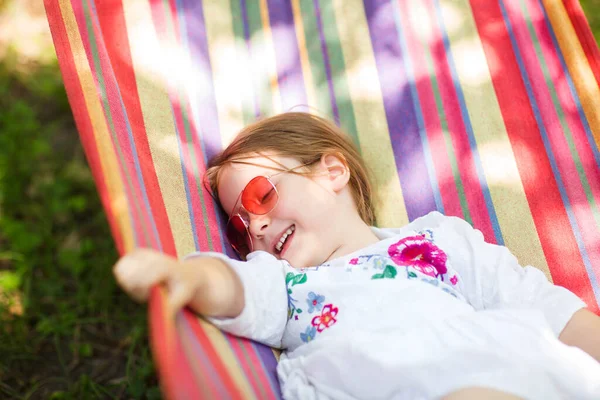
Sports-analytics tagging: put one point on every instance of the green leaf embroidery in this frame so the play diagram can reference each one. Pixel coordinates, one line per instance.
(299, 310)
(412, 275)
(389, 272)
(289, 277)
(298, 279)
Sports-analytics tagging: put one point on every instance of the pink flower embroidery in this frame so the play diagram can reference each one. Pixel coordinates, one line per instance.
(326, 319)
(421, 254)
(354, 261)
(454, 280)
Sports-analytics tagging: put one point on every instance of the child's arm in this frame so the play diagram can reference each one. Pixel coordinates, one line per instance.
(206, 284)
(247, 299)
(583, 331)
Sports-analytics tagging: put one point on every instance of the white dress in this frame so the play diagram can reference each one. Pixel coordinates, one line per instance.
(429, 309)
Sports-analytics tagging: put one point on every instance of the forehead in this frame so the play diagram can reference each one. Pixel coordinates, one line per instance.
(234, 177)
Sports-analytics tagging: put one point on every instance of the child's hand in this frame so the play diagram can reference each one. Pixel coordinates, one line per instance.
(205, 284)
(141, 269)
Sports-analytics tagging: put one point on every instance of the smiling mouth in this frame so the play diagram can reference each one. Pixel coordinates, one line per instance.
(287, 234)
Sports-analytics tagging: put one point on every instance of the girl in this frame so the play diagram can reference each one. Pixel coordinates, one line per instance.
(425, 311)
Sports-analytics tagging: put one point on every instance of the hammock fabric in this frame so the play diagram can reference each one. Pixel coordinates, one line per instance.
(487, 110)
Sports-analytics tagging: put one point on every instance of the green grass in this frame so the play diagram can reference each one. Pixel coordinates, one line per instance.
(66, 330)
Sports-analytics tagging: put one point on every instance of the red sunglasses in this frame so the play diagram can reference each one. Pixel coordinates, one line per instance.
(259, 197)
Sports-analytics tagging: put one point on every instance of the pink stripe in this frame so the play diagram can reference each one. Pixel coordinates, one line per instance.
(433, 128)
(132, 197)
(250, 369)
(591, 168)
(581, 207)
(460, 141)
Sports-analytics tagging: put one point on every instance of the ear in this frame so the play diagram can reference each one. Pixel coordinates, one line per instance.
(336, 170)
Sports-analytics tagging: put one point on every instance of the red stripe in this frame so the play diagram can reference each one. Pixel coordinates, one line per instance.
(122, 164)
(566, 164)
(258, 368)
(114, 29)
(480, 216)
(548, 212)
(585, 35)
(431, 119)
(569, 107)
(80, 112)
(215, 359)
(251, 366)
(176, 378)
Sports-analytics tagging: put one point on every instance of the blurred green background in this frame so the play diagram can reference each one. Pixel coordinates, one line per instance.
(66, 330)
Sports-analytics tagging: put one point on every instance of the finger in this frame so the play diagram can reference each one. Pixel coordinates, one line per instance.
(138, 271)
(180, 294)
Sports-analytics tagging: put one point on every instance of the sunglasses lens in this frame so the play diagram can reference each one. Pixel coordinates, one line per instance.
(259, 196)
(238, 237)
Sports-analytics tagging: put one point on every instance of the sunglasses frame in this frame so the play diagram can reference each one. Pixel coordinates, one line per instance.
(245, 222)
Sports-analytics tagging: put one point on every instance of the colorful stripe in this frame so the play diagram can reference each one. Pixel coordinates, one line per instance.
(483, 110)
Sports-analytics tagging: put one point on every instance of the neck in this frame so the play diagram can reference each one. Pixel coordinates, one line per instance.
(354, 235)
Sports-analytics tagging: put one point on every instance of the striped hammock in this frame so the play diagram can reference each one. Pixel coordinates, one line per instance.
(487, 110)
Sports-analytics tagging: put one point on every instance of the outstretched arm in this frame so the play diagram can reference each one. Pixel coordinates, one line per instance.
(206, 284)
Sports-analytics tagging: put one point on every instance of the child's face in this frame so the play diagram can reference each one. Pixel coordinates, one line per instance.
(306, 207)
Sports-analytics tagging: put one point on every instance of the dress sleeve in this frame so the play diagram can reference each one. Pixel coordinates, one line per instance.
(491, 277)
(264, 316)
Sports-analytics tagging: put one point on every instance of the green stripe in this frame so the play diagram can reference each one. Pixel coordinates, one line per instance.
(315, 57)
(338, 70)
(561, 115)
(262, 83)
(183, 102)
(107, 112)
(238, 31)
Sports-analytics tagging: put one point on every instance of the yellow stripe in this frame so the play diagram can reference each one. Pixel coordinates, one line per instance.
(118, 207)
(270, 55)
(309, 83)
(579, 68)
(495, 151)
(152, 69)
(229, 74)
(228, 357)
(367, 101)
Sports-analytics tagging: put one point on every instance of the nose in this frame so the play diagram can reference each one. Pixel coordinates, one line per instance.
(258, 224)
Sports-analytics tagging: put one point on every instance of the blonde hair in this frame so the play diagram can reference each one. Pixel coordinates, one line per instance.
(304, 137)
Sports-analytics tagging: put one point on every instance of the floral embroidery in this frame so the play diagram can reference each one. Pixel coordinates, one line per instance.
(361, 259)
(389, 272)
(427, 234)
(292, 279)
(315, 302)
(309, 334)
(454, 280)
(326, 319)
(421, 254)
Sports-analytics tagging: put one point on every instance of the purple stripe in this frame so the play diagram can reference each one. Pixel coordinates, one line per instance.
(205, 116)
(334, 107)
(287, 55)
(244, 12)
(269, 362)
(204, 107)
(398, 103)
